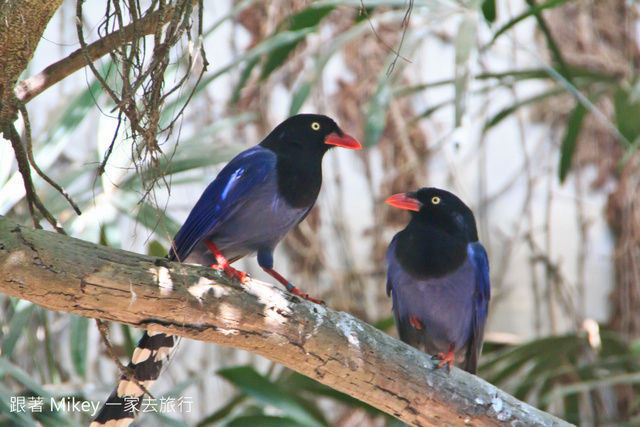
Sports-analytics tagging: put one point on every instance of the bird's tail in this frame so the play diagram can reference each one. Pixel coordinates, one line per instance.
(126, 400)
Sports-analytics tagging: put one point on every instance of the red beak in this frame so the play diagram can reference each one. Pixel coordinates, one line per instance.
(344, 141)
(404, 201)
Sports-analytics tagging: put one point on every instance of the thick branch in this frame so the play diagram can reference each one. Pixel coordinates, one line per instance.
(61, 273)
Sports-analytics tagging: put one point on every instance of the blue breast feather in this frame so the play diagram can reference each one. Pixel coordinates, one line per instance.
(453, 308)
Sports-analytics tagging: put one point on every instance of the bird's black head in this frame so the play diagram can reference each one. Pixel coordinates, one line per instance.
(438, 208)
(307, 133)
(299, 143)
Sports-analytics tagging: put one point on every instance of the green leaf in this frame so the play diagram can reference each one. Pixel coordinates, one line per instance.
(244, 77)
(502, 365)
(359, 29)
(627, 111)
(546, 364)
(530, 12)
(581, 76)
(307, 400)
(429, 111)
(17, 373)
(75, 112)
(21, 316)
(506, 112)
(308, 18)
(223, 412)
(79, 338)
(489, 10)
(269, 45)
(570, 140)
(546, 73)
(299, 97)
(375, 121)
(586, 386)
(251, 383)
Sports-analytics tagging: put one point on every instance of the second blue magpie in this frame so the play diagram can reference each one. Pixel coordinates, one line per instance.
(438, 278)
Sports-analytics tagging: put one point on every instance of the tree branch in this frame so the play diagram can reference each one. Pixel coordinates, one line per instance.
(28, 89)
(66, 274)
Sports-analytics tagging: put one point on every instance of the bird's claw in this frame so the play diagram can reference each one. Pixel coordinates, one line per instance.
(446, 359)
(233, 273)
(295, 291)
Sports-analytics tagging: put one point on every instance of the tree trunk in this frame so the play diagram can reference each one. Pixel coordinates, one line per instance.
(22, 24)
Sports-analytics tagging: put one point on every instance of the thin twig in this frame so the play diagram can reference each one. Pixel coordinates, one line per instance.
(107, 154)
(405, 25)
(126, 371)
(32, 160)
(25, 170)
(406, 19)
(12, 135)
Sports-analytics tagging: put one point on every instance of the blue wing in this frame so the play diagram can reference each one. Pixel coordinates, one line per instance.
(224, 196)
(478, 256)
(392, 264)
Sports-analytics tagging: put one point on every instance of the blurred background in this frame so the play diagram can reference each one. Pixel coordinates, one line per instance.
(528, 110)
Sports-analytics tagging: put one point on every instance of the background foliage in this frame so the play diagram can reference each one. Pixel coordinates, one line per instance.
(527, 109)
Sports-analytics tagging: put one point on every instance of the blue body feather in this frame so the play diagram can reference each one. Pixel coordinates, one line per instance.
(241, 211)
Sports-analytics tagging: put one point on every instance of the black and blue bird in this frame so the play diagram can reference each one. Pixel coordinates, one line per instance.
(438, 278)
(254, 201)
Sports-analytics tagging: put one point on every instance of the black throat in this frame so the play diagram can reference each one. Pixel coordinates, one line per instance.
(427, 252)
(300, 176)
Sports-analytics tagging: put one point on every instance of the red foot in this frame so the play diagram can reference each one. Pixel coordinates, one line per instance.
(224, 265)
(446, 358)
(292, 288)
(416, 322)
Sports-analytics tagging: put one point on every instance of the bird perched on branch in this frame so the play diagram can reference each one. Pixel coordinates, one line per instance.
(254, 201)
(439, 278)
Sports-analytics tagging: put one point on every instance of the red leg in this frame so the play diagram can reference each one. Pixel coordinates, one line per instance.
(224, 265)
(287, 284)
(446, 358)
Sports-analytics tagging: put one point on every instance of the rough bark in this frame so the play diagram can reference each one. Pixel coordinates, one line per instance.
(22, 23)
(66, 274)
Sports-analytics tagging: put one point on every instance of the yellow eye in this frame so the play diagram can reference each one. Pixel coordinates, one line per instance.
(435, 200)
(315, 126)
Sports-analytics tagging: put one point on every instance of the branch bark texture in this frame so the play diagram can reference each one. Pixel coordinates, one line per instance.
(65, 274)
